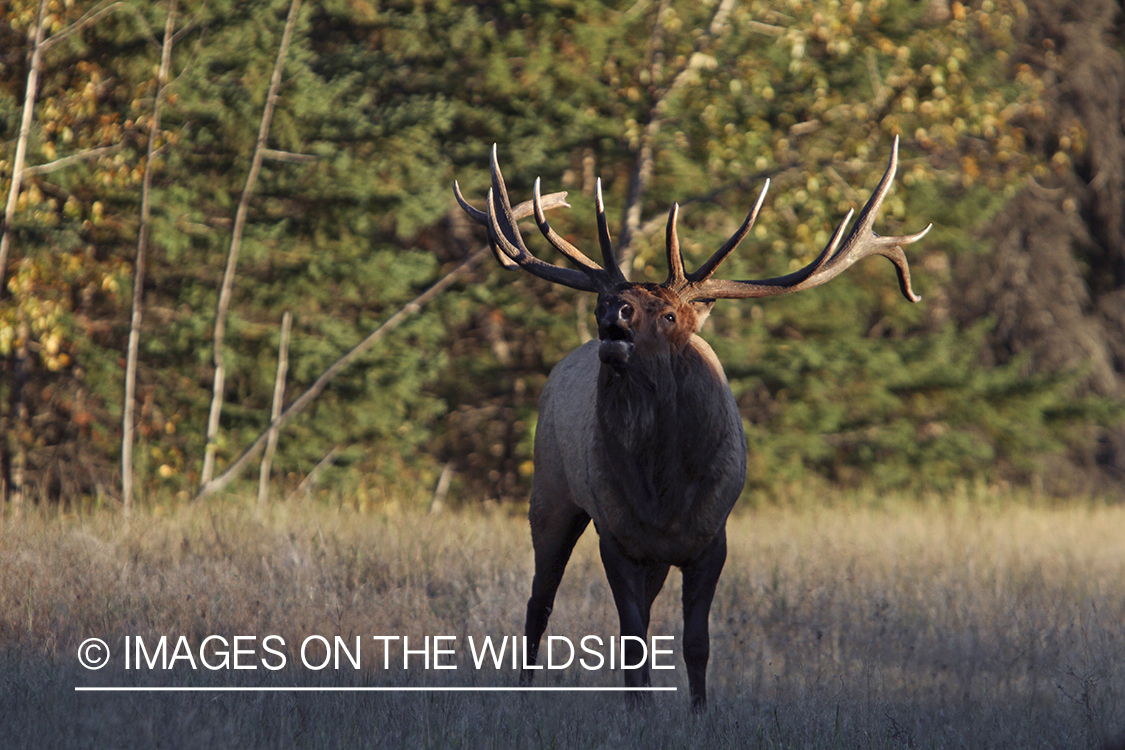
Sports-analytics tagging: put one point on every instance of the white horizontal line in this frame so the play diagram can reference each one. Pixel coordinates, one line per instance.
(373, 689)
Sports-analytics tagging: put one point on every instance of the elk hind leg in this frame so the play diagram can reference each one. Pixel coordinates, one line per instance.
(555, 529)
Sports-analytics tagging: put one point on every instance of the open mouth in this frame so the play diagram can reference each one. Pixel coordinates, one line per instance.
(617, 341)
(615, 350)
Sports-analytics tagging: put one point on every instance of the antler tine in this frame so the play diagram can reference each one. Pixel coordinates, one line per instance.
(505, 239)
(560, 244)
(609, 258)
(507, 226)
(481, 217)
(676, 280)
(474, 213)
(861, 242)
(528, 262)
(704, 272)
(548, 202)
(519, 211)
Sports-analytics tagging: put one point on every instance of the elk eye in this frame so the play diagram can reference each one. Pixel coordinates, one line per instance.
(670, 317)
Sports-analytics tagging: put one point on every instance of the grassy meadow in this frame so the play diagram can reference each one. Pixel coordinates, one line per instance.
(963, 622)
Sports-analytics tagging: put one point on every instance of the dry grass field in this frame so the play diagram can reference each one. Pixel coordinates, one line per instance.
(967, 622)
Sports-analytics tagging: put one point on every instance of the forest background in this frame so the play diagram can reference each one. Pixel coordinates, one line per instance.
(1011, 370)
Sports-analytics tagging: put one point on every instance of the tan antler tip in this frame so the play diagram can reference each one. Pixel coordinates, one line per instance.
(838, 235)
(761, 199)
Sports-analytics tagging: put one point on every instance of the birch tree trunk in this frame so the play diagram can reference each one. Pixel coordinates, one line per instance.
(139, 268)
(21, 141)
(225, 290)
(14, 453)
(275, 411)
(38, 45)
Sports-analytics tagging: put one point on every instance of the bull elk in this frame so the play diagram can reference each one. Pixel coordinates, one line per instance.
(639, 431)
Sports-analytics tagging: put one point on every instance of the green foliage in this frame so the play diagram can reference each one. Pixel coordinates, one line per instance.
(915, 413)
(383, 105)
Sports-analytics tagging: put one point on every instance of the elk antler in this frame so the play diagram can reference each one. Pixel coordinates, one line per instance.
(508, 246)
(519, 211)
(677, 280)
(861, 242)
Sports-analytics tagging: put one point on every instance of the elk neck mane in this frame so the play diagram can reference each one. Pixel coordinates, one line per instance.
(661, 426)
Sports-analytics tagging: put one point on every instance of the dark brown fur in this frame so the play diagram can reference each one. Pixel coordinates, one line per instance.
(650, 446)
(639, 431)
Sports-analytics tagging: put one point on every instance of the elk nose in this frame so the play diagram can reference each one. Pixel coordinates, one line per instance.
(621, 314)
(614, 322)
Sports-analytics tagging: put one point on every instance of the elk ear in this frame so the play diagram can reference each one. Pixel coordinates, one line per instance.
(702, 309)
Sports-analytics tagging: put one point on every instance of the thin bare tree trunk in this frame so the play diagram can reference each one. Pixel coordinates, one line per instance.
(308, 484)
(235, 245)
(523, 210)
(66, 161)
(13, 453)
(39, 44)
(21, 433)
(139, 269)
(642, 168)
(275, 410)
(437, 502)
(336, 368)
(21, 141)
(14, 458)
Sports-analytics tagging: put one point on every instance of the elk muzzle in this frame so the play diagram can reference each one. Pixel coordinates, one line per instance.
(615, 329)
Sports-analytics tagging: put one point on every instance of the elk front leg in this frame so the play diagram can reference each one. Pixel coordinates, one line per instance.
(634, 587)
(554, 531)
(654, 581)
(700, 578)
